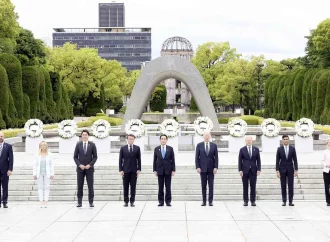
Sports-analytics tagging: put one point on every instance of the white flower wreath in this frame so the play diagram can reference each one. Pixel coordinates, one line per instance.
(201, 124)
(33, 128)
(169, 127)
(101, 129)
(270, 127)
(135, 127)
(304, 127)
(67, 129)
(237, 127)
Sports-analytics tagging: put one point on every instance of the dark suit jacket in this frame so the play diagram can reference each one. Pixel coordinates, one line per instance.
(130, 162)
(282, 163)
(206, 162)
(245, 162)
(6, 158)
(164, 166)
(81, 159)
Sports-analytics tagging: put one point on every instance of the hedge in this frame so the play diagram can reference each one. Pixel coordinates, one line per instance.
(9, 133)
(223, 120)
(14, 72)
(6, 46)
(4, 97)
(27, 110)
(42, 113)
(2, 123)
(57, 93)
(50, 104)
(297, 94)
(193, 105)
(259, 113)
(249, 119)
(320, 95)
(31, 86)
(91, 120)
(13, 115)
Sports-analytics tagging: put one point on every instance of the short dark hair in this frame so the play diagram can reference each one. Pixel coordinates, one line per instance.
(85, 131)
(285, 136)
(163, 135)
(131, 135)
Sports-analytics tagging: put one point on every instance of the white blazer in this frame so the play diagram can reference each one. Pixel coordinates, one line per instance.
(49, 165)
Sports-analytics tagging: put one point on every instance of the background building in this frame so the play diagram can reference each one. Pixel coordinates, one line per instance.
(111, 14)
(178, 95)
(129, 46)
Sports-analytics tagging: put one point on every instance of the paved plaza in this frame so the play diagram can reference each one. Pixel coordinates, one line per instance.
(184, 221)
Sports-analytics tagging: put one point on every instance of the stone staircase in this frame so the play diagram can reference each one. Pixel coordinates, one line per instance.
(185, 184)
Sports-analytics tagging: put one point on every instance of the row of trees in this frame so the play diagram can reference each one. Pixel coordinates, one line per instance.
(303, 93)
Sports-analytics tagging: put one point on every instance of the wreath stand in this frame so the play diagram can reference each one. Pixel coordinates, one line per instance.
(67, 146)
(32, 144)
(103, 146)
(174, 142)
(235, 143)
(140, 142)
(303, 144)
(270, 144)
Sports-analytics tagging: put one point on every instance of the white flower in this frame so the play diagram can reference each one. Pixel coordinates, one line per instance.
(67, 129)
(135, 127)
(170, 128)
(270, 127)
(101, 129)
(237, 127)
(33, 128)
(201, 124)
(304, 127)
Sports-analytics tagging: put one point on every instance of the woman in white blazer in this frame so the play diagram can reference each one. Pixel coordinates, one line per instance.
(43, 170)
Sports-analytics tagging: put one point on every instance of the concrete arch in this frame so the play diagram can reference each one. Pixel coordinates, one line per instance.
(163, 68)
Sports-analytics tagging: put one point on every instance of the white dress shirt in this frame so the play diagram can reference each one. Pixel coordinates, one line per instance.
(326, 161)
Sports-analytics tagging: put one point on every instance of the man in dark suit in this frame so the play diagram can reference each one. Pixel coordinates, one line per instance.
(286, 168)
(164, 169)
(206, 161)
(85, 156)
(129, 167)
(249, 167)
(6, 168)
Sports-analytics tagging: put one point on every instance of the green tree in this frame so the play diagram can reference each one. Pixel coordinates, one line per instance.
(42, 107)
(2, 122)
(95, 104)
(193, 105)
(129, 83)
(6, 46)
(14, 72)
(57, 92)
(315, 82)
(297, 94)
(29, 50)
(307, 94)
(9, 27)
(13, 115)
(31, 86)
(4, 97)
(50, 104)
(158, 99)
(27, 110)
(279, 96)
(321, 94)
(284, 103)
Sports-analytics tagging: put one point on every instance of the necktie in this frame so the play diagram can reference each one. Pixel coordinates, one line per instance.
(163, 152)
(286, 152)
(130, 149)
(1, 149)
(85, 148)
(250, 153)
(207, 148)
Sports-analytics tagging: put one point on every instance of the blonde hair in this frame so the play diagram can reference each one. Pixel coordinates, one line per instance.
(46, 145)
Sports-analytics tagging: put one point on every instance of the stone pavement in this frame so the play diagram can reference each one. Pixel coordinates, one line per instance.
(184, 221)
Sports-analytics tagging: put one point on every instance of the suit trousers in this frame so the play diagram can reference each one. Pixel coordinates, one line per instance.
(287, 178)
(326, 179)
(4, 180)
(249, 177)
(90, 183)
(129, 179)
(207, 177)
(43, 187)
(164, 179)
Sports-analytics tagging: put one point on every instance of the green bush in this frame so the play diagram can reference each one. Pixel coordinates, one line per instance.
(315, 81)
(259, 113)
(325, 116)
(14, 72)
(149, 122)
(249, 119)
(223, 120)
(193, 105)
(321, 93)
(57, 94)
(14, 120)
(68, 105)
(297, 94)
(91, 120)
(31, 86)
(42, 108)
(26, 112)
(101, 114)
(4, 97)
(2, 123)
(123, 109)
(50, 104)
(94, 104)
(6, 46)
(158, 99)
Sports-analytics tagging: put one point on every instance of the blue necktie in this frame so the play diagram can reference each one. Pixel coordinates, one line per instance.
(85, 148)
(163, 152)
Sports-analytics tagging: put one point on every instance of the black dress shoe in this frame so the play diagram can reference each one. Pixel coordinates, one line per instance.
(168, 205)
(253, 204)
(284, 204)
(211, 204)
(5, 205)
(245, 204)
(125, 204)
(291, 204)
(79, 205)
(91, 205)
(161, 205)
(203, 204)
(132, 205)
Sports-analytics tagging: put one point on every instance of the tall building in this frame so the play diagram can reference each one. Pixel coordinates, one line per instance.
(178, 95)
(129, 46)
(111, 14)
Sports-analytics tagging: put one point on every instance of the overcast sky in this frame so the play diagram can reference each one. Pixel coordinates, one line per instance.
(273, 28)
